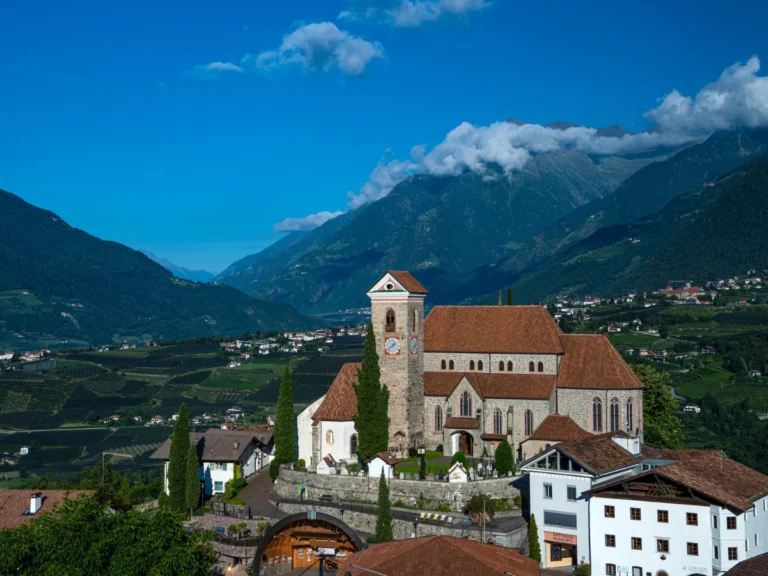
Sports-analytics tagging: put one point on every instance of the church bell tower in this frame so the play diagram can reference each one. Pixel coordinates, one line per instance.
(397, 313)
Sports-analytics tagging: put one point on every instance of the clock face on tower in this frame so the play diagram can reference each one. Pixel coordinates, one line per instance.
(392, 346)
(414, 345)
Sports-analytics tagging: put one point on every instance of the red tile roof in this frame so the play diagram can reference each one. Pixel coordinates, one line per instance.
(522, 386)
(757, 566)
(387, 457)
(465, 422)
(406, 281)
(492, 329)
(558, 428)
(591, 362)
(340, 402)
(441, 555)
(13, 504)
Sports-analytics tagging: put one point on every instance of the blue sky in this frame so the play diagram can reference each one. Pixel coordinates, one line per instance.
(110, 118)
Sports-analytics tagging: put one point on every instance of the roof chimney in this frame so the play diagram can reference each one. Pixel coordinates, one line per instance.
(499, 297)
(35, 502)
(237, 444)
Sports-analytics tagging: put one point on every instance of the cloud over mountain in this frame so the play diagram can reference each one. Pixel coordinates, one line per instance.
(319, 47)
(408, 13)
(738, 98)
(306, 223)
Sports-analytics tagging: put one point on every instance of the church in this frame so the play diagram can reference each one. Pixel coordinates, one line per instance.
(467, 377)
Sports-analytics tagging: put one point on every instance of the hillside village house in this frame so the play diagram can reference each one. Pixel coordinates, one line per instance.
(630, 510)
(20, 506)
(220, 452)
(467, 377)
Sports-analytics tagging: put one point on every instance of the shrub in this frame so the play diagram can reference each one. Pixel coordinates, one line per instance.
(233, 488)
(301, 464)
(460, 457)
(518, 501)
(274, 469)
(504, 459)
(582, 570)
(443, 507)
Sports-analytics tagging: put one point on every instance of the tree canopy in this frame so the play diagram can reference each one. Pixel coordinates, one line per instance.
(81, 537)
(661, 424)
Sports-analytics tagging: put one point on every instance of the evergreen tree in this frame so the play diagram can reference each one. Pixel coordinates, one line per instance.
(661, 424)
(372, 419)
(177, 465)
(192, 479)
(384, 513)
(285, 425)
(509, 296)
(534, 548)
(504, 459)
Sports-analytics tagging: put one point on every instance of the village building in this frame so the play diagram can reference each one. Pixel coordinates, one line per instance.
(20, 506)
(467, 377)
(221, 452)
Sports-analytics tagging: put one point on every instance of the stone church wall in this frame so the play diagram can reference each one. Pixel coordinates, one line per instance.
(357, 488)
(520, 362)
(577, 403)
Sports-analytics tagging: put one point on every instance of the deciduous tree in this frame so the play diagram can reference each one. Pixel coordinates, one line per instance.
(661, 423)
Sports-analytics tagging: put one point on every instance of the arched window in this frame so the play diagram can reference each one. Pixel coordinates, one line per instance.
(442, 364)
(353, 445)
(501, 365)
(329, 437)
(528, 423)
(497, 421)
(471, 364)
(415, 321)
(465, 405)
(438, 418)
(615, 423)
(479, 364)
(630, 416)
(530, 366)
(597, 415)
(541, 366)
(450, 364)
(509, 366)
(390, 320)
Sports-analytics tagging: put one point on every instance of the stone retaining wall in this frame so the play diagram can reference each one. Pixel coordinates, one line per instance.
(364, 489)
(403, 529)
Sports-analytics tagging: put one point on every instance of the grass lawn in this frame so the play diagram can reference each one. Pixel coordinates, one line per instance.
(428, 455)
(13, 483)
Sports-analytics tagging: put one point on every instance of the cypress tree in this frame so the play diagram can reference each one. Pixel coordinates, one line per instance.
(192, 479)
(383, 513)
(534, 549)
(372, 419)
(285, 425)
(177, 461)
(509, 296)
(504, 460)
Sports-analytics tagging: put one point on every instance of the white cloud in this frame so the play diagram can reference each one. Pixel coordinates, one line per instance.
(319, 46)
(739, 98)
(306, 223)
(409, 13)
(213, 69)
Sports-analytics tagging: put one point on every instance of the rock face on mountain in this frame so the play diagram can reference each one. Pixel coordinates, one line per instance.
(440, 227)
(61, 281)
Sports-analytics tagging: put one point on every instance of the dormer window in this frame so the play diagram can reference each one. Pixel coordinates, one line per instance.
(390, 320)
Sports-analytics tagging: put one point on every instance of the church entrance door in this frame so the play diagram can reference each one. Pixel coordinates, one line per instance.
(465, 443)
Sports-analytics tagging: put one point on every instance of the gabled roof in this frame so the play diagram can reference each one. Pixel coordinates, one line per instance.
(215, 445)
(492, 329)
(406, 280)
(462, 422)
(599, 453)
(712, 473)
(591, 362)
(386, 457)
(340, 402)
(521, 386)
(558, 428)
(14, 504)
(433, 555)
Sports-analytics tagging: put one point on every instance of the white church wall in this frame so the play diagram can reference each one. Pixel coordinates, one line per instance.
(335, 439)
(304, 427)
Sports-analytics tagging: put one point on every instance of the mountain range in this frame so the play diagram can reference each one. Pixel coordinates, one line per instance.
(180, 271)
(545, 230)
(438, 227)
(60, 281)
